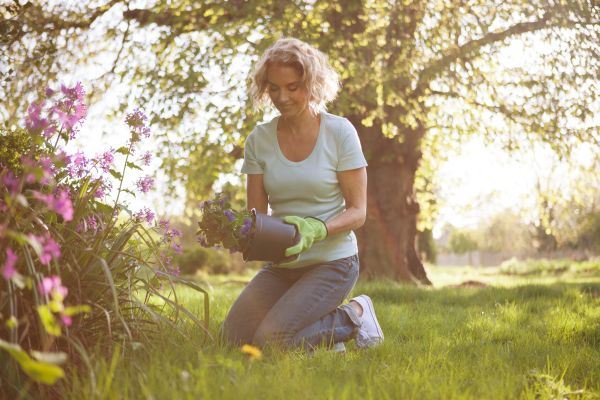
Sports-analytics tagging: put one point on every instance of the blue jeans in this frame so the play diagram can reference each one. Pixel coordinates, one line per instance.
(296, 307)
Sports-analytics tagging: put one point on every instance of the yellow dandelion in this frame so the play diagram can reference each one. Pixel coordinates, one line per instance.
(253, 352)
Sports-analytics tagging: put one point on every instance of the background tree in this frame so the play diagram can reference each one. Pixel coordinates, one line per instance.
(409, 69)
(463, 241)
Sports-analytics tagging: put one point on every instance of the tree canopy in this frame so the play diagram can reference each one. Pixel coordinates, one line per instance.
(413, 73)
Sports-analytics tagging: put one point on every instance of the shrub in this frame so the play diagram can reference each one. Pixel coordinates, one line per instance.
(77, 270)
(548, 267)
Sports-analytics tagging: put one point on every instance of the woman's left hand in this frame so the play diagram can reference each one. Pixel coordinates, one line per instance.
(311, 230)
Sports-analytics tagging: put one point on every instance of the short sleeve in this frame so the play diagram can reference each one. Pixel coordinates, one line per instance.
(350, 154)
(251, 164)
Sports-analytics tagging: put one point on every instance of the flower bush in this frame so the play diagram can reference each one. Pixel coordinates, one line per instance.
(220, 225)
(78, 269)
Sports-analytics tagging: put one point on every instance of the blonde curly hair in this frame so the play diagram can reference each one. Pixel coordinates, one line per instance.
(320, 79)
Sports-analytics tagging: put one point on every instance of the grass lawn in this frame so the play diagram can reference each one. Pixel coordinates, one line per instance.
(519, 337)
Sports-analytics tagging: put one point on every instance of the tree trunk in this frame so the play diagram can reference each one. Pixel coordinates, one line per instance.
(388, 238)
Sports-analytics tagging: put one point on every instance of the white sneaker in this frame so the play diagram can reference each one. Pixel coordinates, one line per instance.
(339, 347)
(369, 333)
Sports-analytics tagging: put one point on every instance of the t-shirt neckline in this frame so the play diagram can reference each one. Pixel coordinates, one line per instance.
(287, 161)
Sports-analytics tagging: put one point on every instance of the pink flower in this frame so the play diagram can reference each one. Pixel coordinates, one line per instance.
(145, 184)
(78, 165)
(106, 160)
(9, 270)
(144, 213)
(136, 118)
(89, 223)
(52, 285)
(75, 93)
(67, 320)
(61, 204)
(165, 224)
(50, 249)
(105, 186)
(177, 248)
(34, 122)
(136, 122)
(146, 158)
(11, 182)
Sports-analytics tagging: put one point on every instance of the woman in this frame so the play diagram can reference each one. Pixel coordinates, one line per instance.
(308, 166)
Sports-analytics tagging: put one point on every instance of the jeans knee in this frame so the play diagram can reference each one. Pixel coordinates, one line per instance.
(274, 337)
(233, 335)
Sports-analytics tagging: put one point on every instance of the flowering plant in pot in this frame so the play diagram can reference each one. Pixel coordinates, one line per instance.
(220, 225)
(258, 236)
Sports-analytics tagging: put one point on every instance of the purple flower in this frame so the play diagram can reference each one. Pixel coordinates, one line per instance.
(145, 184)
(229, 214)
(176, 232)
(49, 92)
(136, 118)
(144, 214)
(146, 158)
(106, 160)
(75, 93)
(78, 165)
(69, 121)
(177, 248)
(50, 249)
(245, 229)
(136, 122)
(89, 223)
(67, 320)
(52, 285)
(9, 270)
(165, 224)
(11, 182)
(175, 271)
(61, 204)
(34, 122)
(105, 186)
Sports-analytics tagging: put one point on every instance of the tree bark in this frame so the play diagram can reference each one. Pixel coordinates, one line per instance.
(387, 240)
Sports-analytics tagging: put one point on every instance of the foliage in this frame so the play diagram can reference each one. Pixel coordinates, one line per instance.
(549, 267)
(462, 241)
(515, 72)
(588, 235)
(219, 225)
(426, 245)
(505, 232)
(77, 272)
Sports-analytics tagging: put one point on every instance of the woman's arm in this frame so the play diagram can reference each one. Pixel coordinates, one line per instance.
(354, 189)
(256, 196)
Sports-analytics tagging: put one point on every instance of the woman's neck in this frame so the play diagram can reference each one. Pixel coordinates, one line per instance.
(300, 124)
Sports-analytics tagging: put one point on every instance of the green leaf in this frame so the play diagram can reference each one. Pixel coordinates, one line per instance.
(40, 371)
(116, 174)
(50, 323)
(123, 150)
(134, 166)
(72, 310)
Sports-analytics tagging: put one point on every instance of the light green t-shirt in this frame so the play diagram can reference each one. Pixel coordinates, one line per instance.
(309, 187)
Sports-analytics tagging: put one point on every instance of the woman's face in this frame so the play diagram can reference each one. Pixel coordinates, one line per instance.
(286, 90)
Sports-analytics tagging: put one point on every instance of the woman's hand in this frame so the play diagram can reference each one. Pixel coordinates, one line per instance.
(311, 230)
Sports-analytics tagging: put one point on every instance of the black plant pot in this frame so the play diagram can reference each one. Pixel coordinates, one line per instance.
(270, 237)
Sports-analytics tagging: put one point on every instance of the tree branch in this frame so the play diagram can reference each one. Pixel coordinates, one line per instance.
(471, 48)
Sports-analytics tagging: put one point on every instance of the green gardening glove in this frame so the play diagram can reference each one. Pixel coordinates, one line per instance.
(311, 230)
